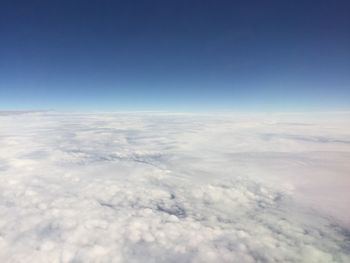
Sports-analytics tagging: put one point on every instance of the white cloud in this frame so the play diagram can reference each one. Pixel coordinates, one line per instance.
(174, 188)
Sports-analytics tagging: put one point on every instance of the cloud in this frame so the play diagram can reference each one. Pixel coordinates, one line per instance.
(173, 188)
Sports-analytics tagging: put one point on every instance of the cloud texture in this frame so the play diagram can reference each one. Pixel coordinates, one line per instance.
(174, 188)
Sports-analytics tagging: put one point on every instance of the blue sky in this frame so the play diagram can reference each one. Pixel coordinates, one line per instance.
(175, 55)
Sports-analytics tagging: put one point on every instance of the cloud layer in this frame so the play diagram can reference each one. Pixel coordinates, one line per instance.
(174, 188)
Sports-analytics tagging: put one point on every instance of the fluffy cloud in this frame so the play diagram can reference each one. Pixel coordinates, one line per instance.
(174, 188)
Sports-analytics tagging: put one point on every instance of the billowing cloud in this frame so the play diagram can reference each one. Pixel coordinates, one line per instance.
(174, 188)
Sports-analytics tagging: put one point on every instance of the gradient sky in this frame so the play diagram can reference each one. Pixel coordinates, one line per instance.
(175, 55)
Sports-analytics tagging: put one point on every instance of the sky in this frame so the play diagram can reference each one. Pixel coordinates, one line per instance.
(175, 55)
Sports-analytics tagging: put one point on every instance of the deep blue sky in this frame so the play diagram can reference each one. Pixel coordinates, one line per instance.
(175, 55)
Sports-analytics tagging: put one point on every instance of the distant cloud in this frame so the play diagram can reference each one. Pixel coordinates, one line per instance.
(173, 188)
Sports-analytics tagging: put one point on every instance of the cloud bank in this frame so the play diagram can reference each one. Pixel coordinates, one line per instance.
(174, 187)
